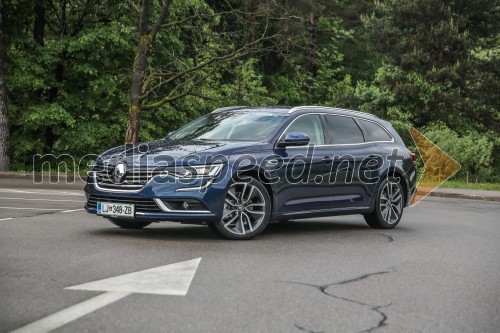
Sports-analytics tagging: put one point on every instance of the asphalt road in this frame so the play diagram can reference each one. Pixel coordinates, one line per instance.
(439, 271)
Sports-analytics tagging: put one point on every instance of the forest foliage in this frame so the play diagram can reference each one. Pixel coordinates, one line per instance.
(431, 64)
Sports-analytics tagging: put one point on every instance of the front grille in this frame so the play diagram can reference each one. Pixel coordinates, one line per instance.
(134, 179)
(142, 205)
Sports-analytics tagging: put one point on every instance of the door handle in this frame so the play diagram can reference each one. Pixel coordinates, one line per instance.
(327, 159)
(272, 163)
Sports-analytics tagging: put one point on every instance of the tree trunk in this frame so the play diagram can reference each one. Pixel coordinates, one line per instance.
(313, 43)
(139, 70)
(253, 19)
(313, 50)
(39, 26)
(4, 117)
(39, 37)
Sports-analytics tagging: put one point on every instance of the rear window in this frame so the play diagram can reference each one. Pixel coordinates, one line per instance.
(373, 131)
(344, 130)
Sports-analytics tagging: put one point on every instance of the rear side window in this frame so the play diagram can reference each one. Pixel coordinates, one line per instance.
(373, 131)
(344, 130)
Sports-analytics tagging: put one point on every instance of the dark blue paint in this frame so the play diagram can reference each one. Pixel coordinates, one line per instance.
(309, 198)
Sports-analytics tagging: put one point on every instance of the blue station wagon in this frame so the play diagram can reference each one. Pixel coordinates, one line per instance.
(239, 168)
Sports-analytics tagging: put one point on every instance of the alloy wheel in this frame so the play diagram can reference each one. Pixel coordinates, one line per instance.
(391, 202)
(244, 208)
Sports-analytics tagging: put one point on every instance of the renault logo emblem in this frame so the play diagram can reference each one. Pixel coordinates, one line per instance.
(119, 172)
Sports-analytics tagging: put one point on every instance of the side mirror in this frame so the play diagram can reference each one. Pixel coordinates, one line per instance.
(294, 139)
(169, 133)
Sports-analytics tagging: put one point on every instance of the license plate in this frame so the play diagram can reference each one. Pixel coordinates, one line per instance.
(115, 209)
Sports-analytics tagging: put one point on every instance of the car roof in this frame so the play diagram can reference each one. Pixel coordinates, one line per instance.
(297, 109)
(280, 109)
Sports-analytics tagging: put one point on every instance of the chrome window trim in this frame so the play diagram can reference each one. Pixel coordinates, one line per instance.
(326, 108)
(334, 144)
(230, 108)
(164, 208)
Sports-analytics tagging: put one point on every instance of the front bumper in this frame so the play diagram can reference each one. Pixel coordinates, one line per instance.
(152, 199)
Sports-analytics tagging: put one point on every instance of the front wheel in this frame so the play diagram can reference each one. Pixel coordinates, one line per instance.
(388, 206)
(247, 208)
(129, 224)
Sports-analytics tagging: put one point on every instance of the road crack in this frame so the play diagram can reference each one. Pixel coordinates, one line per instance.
(376, 308)
(362, 277)
(307, 330)
(389, 238)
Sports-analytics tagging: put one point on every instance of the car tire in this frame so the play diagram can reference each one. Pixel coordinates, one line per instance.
(129, 224)
(214, 229)
(246, 213)
(389, 205)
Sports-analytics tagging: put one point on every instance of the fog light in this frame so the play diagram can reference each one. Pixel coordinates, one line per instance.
(185, 205)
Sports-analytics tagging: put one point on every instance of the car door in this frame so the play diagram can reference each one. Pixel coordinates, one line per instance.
(350, 152)
(302, 170)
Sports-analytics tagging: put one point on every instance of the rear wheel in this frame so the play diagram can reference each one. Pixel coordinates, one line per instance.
(388, 206)
(129, 224)
(247, 208)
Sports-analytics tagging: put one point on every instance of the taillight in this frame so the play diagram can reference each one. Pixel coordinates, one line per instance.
(413, 158)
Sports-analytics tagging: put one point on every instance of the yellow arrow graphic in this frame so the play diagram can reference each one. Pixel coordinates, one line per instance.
(438, 166)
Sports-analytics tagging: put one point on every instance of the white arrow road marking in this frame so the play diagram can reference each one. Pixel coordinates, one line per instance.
(28, 208)
(72, 210)
(173, 279)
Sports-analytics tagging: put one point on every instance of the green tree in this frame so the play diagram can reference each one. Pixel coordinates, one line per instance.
(67, 75)
(185, 46)
(431, 69)
(308, 72)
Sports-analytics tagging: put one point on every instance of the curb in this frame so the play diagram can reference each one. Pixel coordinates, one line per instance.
(15, 175)
(463, 196)
(41, 181)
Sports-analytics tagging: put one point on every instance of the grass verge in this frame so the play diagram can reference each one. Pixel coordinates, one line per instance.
(471, 186)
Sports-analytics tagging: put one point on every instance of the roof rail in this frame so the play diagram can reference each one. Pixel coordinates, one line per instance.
(228, 108)
(326, 108)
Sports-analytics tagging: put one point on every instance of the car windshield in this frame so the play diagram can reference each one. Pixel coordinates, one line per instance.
(231, 126)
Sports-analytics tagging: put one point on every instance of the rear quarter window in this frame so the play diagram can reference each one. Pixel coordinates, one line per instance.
(373, 131)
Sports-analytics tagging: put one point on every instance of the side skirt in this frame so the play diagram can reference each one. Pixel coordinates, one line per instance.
(322, 212)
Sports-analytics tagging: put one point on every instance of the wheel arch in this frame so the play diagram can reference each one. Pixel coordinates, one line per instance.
(398, 173)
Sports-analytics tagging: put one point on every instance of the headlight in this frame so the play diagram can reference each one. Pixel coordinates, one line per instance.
(211, 171)
(196, 171)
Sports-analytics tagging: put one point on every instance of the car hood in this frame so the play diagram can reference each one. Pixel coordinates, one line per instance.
(169, 152)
